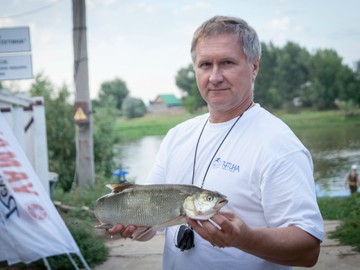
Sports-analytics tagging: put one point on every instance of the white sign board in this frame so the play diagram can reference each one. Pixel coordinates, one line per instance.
(15, 39)
(15, 67)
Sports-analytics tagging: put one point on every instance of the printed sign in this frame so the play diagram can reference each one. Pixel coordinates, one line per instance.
(15, 67)
(81, 111)
(16, 39)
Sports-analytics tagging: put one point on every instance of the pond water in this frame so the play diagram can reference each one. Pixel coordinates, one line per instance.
(334, 150)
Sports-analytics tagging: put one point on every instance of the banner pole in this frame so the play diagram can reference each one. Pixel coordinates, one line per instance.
(72, 261)
(46, 263)
(83, 261)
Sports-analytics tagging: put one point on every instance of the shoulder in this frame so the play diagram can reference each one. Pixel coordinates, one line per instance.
(269, 132)
(188, 126)
(183, 132)
(261, 119)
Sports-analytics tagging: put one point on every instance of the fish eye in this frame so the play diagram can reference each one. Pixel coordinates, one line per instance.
(209, 198)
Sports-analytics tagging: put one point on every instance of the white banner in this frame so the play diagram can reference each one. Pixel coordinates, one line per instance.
(30, 226)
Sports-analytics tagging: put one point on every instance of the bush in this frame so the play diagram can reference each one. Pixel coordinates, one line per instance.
(133, 107)
(350, 108)
(349, 231)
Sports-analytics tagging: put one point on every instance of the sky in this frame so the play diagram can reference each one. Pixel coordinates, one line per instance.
(145, 43)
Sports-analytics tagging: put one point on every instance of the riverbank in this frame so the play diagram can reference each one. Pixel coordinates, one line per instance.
(159, 123)
(129, 254)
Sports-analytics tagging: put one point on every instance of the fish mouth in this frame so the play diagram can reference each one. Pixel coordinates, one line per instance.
(221, 203)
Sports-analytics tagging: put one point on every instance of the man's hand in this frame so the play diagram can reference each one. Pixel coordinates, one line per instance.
(133, 232)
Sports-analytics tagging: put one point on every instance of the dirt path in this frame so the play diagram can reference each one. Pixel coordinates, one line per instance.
(128, 254)
(333, 255)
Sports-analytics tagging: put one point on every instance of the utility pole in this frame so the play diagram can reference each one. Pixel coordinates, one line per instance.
(82, 109)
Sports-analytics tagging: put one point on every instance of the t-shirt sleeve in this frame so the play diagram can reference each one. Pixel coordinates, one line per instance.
(288, 194)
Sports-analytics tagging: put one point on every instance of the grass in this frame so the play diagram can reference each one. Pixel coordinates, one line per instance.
(348, 210)
(158, 124)
(317, 119)
(153, 124)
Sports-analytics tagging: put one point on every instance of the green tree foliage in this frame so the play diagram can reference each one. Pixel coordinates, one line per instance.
(61, 132)
(133, 107)
(266, 75)
(116, 90)
(318, 80)
(104, 119)
(185, 80)
(292, 71)
(329, 73)
(60, 129)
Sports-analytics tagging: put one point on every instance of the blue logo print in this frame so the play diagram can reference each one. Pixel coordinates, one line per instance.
(225, 165)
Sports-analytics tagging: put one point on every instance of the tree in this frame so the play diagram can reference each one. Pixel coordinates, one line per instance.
(356, 86)
(104, 119)
(329, 73)
(60, 129)
(185, 80)
(133, 107)
(115, 89)
(265, 79)
(292, 71)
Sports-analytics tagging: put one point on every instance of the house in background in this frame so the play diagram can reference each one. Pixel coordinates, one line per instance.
(165, 103)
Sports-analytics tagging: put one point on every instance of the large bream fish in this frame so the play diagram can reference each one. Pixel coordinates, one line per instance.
(154, 206)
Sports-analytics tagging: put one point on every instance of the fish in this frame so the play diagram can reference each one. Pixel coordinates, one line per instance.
(156, 206)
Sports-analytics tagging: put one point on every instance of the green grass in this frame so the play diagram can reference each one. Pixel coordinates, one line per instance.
(348, 211)
(126, 130)
(158, 124)
(317, 119)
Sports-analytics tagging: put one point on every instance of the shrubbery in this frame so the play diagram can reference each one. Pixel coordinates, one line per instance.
(345, 209)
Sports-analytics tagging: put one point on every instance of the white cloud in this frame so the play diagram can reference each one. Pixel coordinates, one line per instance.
(195, 6)
(143, 7)
(6, 22)
(282, 24)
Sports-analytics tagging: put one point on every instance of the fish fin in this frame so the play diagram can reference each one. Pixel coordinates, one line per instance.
(172, 222)
(104, 226)
(140, 232)
(116, 188)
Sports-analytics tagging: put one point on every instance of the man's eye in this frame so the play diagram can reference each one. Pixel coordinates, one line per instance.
(228, 62)
(205, 65)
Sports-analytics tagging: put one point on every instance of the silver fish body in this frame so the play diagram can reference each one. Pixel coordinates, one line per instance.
(154, 206)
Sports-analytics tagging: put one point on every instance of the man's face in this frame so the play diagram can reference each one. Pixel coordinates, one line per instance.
(223, 75)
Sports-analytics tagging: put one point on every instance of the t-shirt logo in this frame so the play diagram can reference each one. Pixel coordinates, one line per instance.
(225, 165)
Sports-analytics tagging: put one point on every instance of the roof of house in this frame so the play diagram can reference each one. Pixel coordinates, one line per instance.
(170, 100)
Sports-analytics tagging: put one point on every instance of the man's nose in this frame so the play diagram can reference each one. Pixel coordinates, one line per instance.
(216, 76)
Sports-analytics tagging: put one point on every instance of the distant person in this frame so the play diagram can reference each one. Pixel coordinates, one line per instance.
(352, 179)
(272, 220)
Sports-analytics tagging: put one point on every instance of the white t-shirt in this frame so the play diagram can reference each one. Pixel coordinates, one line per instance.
(263, 169)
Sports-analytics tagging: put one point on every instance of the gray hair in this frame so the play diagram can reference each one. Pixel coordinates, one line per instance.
(218, 25)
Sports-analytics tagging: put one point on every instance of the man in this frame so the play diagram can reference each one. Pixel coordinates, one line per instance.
(352, 179)
(272, 220)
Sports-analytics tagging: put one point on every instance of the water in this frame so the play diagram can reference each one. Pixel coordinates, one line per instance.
(333, 150)
(138, 157)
